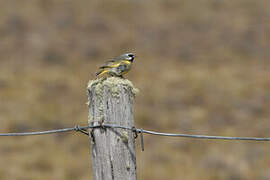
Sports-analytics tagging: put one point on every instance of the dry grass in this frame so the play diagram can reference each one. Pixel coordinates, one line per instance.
(202, 67)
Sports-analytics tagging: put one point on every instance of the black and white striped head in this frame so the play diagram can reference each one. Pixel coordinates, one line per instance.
(128, 56)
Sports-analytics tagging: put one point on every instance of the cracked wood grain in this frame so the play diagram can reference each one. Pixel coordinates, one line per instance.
(112, 150)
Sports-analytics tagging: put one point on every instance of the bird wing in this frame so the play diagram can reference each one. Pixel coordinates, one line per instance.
(113, 64)
(110, 64)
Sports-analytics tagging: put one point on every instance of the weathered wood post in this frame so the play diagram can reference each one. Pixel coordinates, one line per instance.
(113, 150)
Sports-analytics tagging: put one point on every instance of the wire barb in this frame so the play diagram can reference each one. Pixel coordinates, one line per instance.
(82, 130)
(141, 137)
(134, 130)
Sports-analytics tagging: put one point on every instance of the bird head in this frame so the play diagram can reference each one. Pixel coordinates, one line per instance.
(129, 56)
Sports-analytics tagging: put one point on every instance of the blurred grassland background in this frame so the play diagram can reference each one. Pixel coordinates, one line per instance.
(203, 68)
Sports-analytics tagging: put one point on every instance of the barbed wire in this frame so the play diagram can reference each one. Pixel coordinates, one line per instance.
(136, 130)
(76, 128)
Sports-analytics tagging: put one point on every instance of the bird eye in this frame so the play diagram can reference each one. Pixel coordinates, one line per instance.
(131, 55)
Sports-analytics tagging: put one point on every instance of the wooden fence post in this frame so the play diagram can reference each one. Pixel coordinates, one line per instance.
(113, 150)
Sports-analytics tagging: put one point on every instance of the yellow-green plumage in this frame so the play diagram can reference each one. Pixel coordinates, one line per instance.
(117, 66)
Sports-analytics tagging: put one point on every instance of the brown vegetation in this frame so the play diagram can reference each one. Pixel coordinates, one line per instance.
(202, 68)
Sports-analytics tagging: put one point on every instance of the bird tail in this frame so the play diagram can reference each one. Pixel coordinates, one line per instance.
(101, 72)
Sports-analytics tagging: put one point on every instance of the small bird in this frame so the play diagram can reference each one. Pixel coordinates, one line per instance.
(118, 66)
